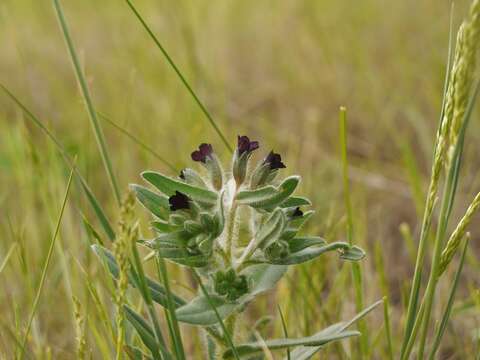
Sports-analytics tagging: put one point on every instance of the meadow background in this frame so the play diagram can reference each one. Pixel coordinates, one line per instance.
(276, 71)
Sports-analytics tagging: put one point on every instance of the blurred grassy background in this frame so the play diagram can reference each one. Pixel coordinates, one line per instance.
(277, 71)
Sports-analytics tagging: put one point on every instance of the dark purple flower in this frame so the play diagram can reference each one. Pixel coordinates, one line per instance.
(179, 201)
(274, 161)
(297, 213)
(204, 151)
(245, 145)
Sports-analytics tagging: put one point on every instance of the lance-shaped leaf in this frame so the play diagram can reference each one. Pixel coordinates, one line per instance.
(268, 197)
(178, 253)
(169, 185)
(320, 339)
(295, 201)
(294, 225)
(353, 253)
(161, 226)
(199, 312)
(268, 233)
(299, 243)
(263, 278)
(174, 246)
(158, 292)
(144, 331)
(155, 203)
(305, 353)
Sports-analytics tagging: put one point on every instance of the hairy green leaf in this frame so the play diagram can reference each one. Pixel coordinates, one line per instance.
(144, 330)
(269, 197)
(157, 204)
(347, 253)
(169, 185)
(320, 339)
(200, 312)
(296, 201)
(157, 290)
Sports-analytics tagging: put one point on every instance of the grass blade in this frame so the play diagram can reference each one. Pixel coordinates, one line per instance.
(451, 298)
(423, 317)
(137, 141)
(388, 329)
(99, 212)
(426, 222)
(46, 265)
(172, 317)
(147, 297)
(180, 75)
(7, 257)
(356, 271)
(96, 126)
(285, 331)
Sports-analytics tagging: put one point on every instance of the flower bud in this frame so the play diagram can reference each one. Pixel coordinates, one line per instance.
(207, 157)
(267, 170)
(244, 150)
(229, 284)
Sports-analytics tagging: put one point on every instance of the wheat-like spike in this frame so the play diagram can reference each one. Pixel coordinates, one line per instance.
(79, 328)
(463, 69)
(457, 236)
(127, 231)
(456, 99)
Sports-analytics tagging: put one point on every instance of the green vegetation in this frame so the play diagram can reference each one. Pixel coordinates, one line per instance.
(95, 93)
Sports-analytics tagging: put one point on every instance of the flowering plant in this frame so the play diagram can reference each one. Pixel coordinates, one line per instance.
(239, 231)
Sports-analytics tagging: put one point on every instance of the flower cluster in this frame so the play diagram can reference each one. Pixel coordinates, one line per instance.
(197, 219)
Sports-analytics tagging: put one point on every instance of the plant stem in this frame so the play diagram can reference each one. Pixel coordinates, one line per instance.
(181, 77)
(230, 243)
(171, 316)
(428, 211)
(96, 126)
(356, 271)
(46, 265)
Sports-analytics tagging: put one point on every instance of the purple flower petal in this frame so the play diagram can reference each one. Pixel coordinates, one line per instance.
(204, 151)
(274, 161)
(179, 201)
(245, 145)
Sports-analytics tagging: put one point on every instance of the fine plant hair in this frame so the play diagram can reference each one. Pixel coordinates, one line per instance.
(459, 98)
(238, 230)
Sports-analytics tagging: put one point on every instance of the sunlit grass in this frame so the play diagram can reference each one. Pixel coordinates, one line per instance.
(279, 71)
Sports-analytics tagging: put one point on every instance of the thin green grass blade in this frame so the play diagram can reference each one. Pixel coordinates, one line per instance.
(356, 270)
(147, 297)
(11, 333)
(227, 336)
(45, 266)
(96, 126)
(172, 317)
(448, 309)
(139, 142)
(388, 328)
(7, 257)
(180, 75)
(99, 212)
(426, 222)
(285, 331)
